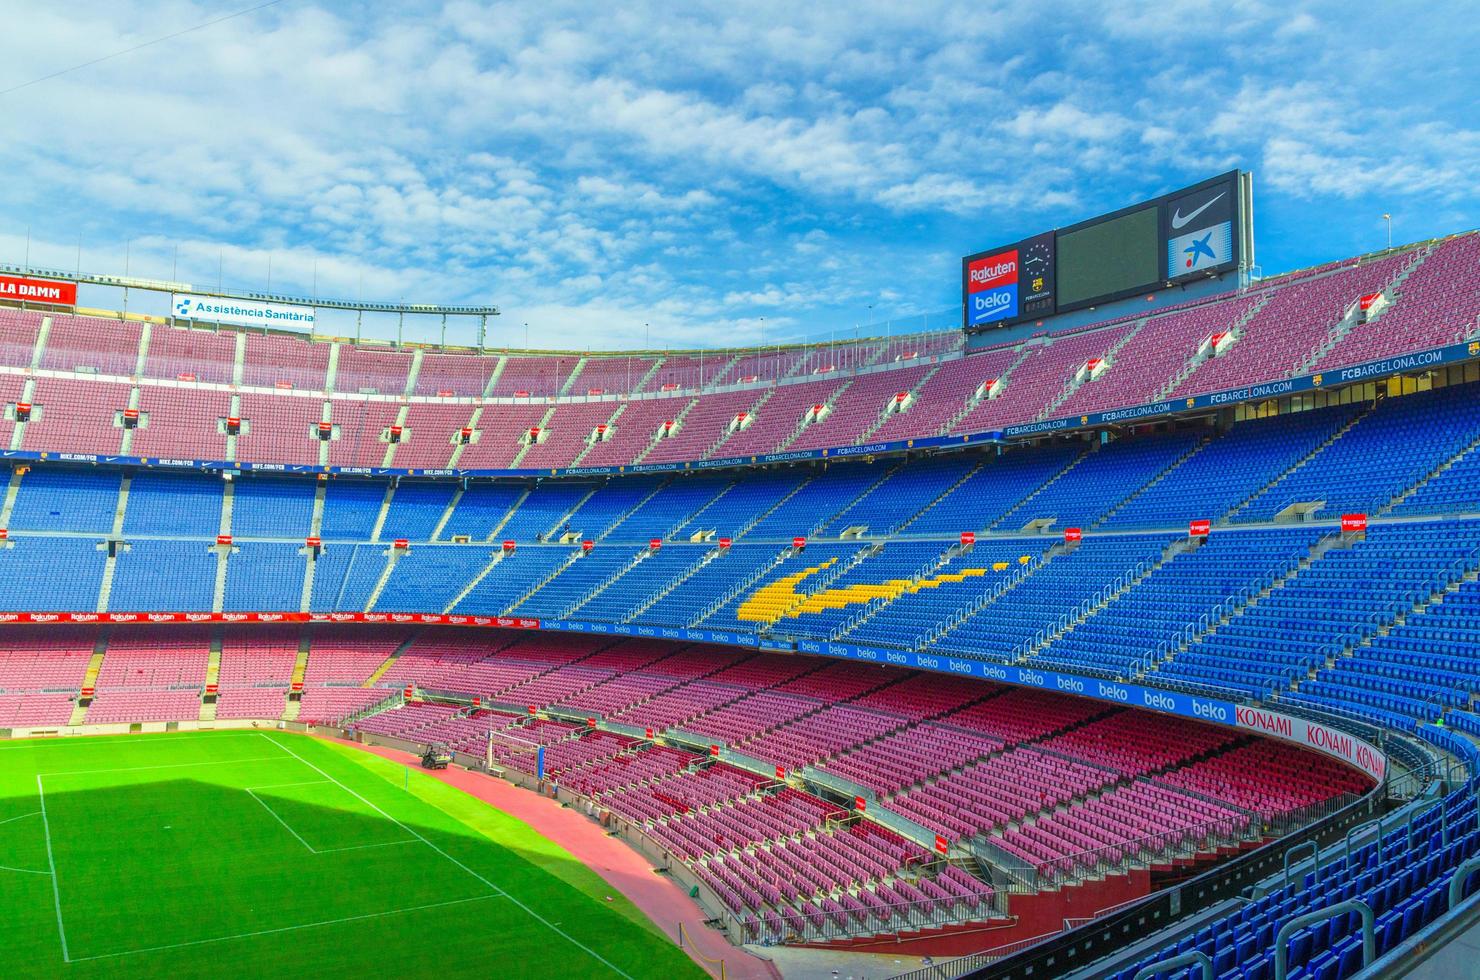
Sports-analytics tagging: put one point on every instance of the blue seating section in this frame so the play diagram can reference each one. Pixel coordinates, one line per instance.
(427, 578)
(647, 578)
(1231, 469)
(1346, 597)
(1100, 481)
(480, 509)
(173, 504)
(817, 502)
(1399, 443)
(691, 598)
(66, 500)
(752, 497)
(576, 581)
(1225, 569)
(597, 514)
(681, 504)
(158, 576)
(890, 505)
(544, 510)
(998, 486)
(1455, 491)
(1059, 585)
(345, 576)
(272, 507)
(515, 574)
(913, 618)
(1407, 889)
(416, 509)
(351, 508)
(265, 576)
(51, 574)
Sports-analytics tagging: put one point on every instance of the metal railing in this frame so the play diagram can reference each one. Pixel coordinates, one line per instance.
(960, 966)
(774, 928)
(1181, 844)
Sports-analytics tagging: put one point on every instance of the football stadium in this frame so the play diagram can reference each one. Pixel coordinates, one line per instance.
(1123, 623)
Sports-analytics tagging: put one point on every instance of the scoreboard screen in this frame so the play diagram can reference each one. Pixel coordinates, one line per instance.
(1109, 256)
(1202, 230)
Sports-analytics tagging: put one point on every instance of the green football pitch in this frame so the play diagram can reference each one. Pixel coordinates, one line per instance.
(260, 854)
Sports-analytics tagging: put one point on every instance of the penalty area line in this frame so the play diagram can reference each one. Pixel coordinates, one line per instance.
(282, 929)
(173, 765)
(282, 821)
(524, 908)
(33, 813)
(56, 890)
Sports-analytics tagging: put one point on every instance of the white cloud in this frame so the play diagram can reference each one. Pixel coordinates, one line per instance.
(696, 167)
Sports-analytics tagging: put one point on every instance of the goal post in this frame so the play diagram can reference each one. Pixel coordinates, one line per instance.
(505, 748)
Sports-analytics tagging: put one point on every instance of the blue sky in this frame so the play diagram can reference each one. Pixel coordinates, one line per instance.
(712, 173)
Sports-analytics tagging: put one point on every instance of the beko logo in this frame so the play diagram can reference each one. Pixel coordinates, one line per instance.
(1180, 220)
(1160, 702)
(992, 302)
(1209, 709)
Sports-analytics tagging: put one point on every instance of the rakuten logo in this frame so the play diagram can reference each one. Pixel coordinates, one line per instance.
(994, 270)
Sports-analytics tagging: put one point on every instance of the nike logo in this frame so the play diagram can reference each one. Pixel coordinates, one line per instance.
(1179, 219)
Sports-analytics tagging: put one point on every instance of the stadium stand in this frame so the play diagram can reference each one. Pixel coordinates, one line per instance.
(803, 796)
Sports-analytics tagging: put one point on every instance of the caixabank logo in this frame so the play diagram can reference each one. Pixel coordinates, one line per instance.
(992, 287)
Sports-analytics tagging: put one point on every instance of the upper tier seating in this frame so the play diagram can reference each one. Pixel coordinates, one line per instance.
(1291, 323)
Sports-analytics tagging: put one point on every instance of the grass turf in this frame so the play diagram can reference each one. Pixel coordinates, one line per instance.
(268, 854)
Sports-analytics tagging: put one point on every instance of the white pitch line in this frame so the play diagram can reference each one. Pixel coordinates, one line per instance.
(527, 910)
(282, 821)
(26, 871)
(306, 782)
(175, 765)
(363, 847)
(56, 891)
(33, 813)
(387, 816)
(23, 743)
(282, 929)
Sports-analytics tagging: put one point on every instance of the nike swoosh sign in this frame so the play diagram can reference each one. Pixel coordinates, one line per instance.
(1179, 219)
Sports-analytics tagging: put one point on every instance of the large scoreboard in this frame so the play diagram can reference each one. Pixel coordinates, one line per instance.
(1202, 230)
